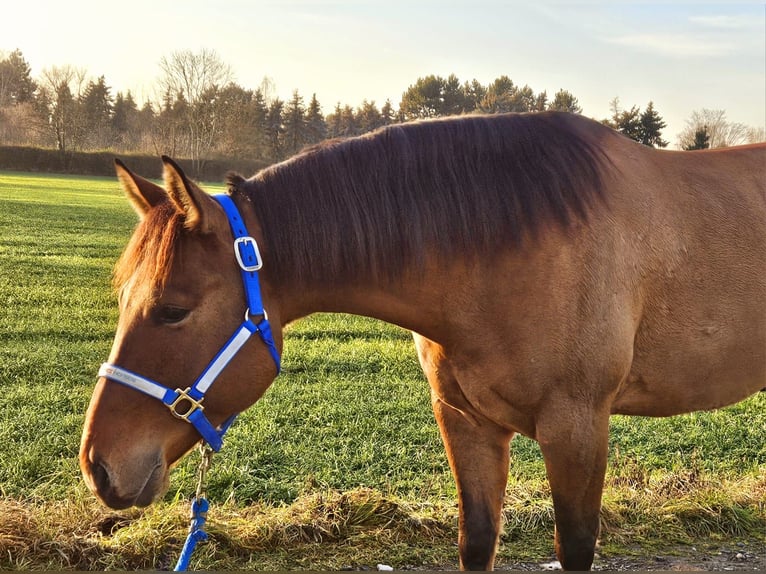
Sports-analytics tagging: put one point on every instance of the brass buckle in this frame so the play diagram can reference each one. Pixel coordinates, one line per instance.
(183, 396)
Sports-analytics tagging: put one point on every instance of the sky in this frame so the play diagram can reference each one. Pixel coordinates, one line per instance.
(683, 56)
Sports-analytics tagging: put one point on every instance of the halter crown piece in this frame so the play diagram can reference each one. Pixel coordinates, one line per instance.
(187, 404)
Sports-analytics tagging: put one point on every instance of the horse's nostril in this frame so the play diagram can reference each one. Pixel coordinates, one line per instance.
(100, 476)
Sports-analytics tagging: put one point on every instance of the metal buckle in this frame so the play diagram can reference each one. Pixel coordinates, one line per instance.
(243, 243)
(194, 404)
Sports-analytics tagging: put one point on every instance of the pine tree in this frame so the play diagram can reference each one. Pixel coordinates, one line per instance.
(97, 106)
(541, 101)
(348, 122)
(259, 112)
(295, 131)
(627, 122)
(387, 113)
(316, 127)
(453, 97)
(424, 98)
(701, 140)
(124, 122)
(368, 117)
(474, 92)
(652, 125)
(335, 122)
(564, 101)
(16, 84)
(498, 97)
(275, 129)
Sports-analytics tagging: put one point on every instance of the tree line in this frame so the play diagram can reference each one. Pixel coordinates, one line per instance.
(202, 113)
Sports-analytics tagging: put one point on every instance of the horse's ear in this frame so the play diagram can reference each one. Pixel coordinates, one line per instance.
(195, 204)
(142, 193)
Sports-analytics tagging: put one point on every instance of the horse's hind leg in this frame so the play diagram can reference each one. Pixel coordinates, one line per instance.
(574, 443)
(478, 453)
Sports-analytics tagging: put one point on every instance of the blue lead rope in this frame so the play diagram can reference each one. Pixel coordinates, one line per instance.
(196, 533)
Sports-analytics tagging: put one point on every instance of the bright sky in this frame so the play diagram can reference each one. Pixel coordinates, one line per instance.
(682, 55)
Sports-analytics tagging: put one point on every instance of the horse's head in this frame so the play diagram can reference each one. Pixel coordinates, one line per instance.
(181, 297)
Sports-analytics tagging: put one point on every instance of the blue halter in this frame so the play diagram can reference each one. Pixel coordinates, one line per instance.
(187, 404)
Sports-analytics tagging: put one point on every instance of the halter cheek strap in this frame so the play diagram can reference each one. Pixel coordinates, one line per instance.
(187, 404)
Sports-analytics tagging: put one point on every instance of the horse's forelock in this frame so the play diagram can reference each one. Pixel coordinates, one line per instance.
(149, 253)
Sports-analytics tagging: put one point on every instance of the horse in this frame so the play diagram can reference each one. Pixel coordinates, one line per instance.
(552, 272)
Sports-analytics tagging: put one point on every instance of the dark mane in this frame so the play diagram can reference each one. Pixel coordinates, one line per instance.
(364, 207)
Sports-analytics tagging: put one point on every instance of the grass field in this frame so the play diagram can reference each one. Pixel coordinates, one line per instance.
(340, 464)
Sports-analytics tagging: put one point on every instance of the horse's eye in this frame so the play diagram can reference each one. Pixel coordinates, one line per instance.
(169, 314)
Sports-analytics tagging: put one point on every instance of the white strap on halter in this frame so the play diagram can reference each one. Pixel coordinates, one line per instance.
(138, 382)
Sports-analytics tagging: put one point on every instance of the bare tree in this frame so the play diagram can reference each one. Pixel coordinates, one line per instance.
(196, 77)
(756, 135)
(720, 131)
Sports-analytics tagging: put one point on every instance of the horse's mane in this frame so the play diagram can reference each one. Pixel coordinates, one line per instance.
(363, 208)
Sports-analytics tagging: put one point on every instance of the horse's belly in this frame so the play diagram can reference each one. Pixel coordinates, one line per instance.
(677, 378)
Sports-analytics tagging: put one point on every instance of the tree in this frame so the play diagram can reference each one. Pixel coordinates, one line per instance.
(424, 99)
(316, 127)
(275, 130)
(335, 122)
(721, 132)
(474, 92)
(97, 107)
(453, 97)
(627, 122)
(58, 102)
(541, 102)
(294, 121)
(349, 124)
(16, 83)
(701, 140)
(342, 123)
(368, 117)
(564, 101)
(168, 133)
(387, 113)
(197, 76)
(234, 112)
(20, 120)
(652, 125)
(644, 127)
(128, 124)
(756, 135)
(504, 96)
(499, 97)
(259, 124)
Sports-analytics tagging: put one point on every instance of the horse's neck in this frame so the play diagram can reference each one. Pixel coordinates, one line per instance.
(409, 304)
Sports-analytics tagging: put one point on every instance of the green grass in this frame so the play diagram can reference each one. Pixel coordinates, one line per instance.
(343, 447)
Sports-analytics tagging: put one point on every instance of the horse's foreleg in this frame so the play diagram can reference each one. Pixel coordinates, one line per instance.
(478, 455)
(574, 444)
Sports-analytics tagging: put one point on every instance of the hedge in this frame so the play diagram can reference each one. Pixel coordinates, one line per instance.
(43, 160)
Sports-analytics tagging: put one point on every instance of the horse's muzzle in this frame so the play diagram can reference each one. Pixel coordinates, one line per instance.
(120, 490)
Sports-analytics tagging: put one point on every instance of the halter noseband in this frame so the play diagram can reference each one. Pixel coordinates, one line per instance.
(187, 404)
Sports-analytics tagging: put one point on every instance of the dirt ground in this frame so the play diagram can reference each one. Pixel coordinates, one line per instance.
(735, 557)
(740, 556)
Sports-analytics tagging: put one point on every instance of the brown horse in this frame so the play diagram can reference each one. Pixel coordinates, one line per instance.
(552, 271)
